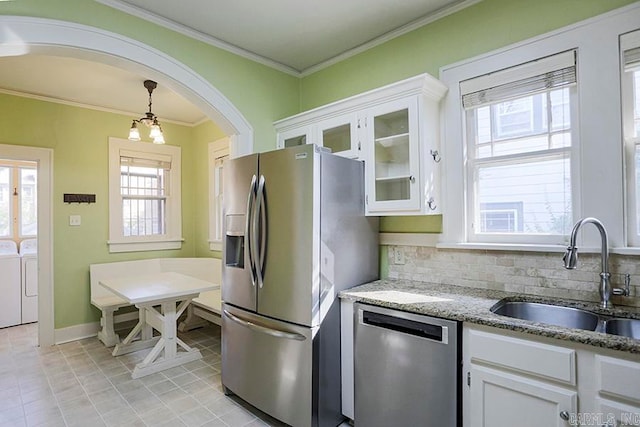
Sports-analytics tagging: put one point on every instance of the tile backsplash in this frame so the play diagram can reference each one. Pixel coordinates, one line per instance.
(533, 273)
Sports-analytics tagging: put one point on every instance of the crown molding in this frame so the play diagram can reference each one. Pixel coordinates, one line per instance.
(421, 22)
(93, 107)
(138, 12)
(197, 35)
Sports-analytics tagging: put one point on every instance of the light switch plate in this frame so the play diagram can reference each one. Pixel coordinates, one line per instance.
(75, 220)
(398, 256)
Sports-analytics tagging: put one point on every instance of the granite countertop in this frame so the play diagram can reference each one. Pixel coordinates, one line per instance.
(473, 305)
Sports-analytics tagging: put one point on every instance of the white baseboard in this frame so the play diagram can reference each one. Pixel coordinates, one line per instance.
(87, 330)
(76, 332)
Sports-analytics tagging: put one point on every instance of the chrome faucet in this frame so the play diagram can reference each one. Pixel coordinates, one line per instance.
(571, 262)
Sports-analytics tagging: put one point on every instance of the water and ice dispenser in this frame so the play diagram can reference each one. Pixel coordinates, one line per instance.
(235, 236)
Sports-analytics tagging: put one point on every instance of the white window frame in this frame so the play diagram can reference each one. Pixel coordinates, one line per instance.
(597, 190)
(629, 41)
(20, 200)
(218, 149)
(11, 202)
(172, 239)
(474, 162)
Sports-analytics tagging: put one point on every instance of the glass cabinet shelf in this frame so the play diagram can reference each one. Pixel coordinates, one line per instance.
(393, 178)
(390, 141)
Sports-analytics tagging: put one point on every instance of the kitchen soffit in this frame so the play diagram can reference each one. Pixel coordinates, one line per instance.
(294, 36)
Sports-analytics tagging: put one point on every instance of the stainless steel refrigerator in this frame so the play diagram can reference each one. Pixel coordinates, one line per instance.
(295, 235)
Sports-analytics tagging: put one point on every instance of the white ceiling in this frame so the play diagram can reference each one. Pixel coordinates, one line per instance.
(92, 84)
(294, 36)
(297, 35)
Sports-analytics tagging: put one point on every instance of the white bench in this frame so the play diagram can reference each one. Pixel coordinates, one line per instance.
(108, 303)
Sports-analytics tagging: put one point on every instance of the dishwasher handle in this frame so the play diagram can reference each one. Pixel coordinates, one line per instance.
(429, 331)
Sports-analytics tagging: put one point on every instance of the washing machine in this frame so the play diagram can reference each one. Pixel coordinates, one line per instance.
(10, 303)
(29, 283)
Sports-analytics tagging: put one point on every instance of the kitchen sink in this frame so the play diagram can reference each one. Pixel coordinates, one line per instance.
(625, 327)
(551, 314)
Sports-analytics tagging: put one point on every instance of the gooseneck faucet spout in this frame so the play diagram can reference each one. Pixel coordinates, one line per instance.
(571, 258)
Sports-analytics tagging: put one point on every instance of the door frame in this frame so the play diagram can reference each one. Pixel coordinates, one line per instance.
(44, 158)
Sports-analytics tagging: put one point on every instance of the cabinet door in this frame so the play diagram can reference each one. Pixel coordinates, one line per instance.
(294, 137)
(339, 134)
(502, 399)
(392, 162)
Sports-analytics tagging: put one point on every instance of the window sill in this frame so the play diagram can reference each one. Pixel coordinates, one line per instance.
(515, 247)
(431, 240)
(138, 246)
(625, 251)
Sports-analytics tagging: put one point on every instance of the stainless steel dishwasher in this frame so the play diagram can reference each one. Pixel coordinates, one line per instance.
(407, 369)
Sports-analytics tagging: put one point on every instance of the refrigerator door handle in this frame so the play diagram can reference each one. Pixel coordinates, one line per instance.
(263, 329)
(260, 231)
(248, 231)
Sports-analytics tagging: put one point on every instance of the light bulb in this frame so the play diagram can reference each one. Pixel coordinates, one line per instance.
(134, 133)
(155, 131)
(159, 139)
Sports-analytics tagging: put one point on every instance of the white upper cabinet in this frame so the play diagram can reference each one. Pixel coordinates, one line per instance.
(340, 135)
(394, 130)
(392, 157)
(293, 137)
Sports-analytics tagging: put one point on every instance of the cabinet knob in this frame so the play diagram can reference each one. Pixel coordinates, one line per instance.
(436, 156)
(564, 415)
(432, 204)
(412, 179)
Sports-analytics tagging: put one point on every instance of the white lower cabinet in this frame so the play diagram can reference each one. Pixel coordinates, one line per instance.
(500, 398)
(617, 384)
(512, 381)
(512, 378)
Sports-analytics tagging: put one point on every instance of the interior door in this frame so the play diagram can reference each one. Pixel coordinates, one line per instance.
(238, 279)
(290, 209)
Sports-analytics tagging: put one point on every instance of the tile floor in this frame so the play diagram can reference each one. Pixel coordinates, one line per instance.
(81, 384)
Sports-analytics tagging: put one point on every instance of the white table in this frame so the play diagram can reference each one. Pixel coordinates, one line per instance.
(149, 292)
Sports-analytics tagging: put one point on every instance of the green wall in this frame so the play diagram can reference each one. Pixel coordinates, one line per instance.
(486, 26)
(478, 29)
(261, 94)
(79, 138)
(202, 135)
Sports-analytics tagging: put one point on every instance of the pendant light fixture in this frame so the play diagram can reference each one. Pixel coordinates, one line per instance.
(150, 120)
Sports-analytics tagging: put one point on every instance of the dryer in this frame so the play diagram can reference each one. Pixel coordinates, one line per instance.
(10, 304)
(29, 283)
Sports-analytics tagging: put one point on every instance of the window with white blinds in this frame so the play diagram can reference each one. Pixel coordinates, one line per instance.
(630, 86)
(519, 143)
(144, 196)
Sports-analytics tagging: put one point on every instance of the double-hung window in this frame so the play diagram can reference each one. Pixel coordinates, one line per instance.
(218, 156)
(630, 79)
(518, 132)
(144, 190)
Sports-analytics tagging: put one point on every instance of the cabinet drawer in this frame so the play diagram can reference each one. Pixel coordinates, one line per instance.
(529, 357)
(618, 377)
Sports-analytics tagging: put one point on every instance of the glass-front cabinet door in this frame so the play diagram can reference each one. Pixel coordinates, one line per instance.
(294, 137)
(339, 134)
(392, 159)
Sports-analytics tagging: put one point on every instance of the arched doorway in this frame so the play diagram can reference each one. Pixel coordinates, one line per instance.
(25, 35)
